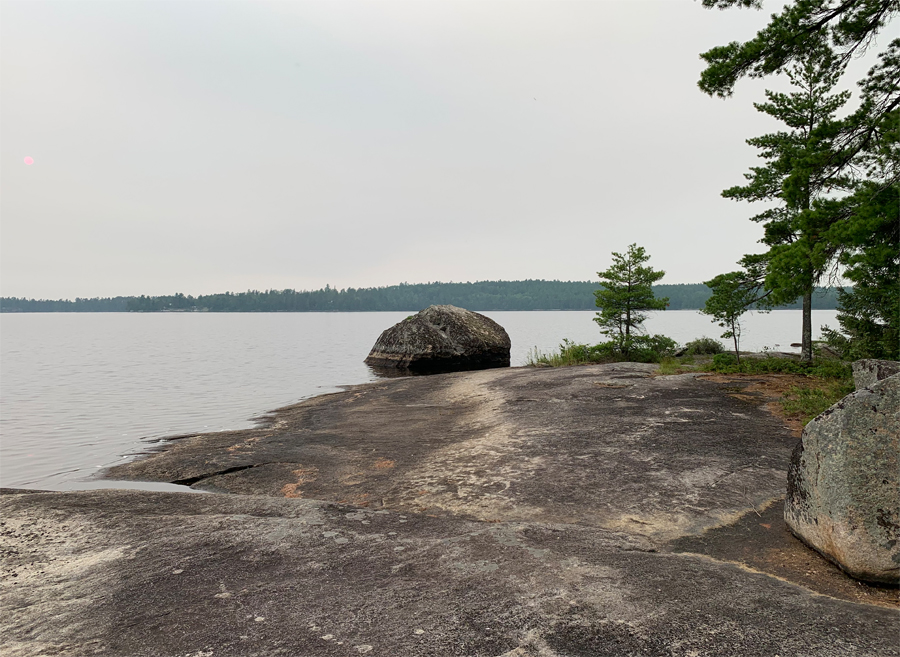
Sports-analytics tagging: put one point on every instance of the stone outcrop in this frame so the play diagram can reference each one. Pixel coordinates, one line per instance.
(869, 371)
(844, 483)
(442, 339)
(594, 510)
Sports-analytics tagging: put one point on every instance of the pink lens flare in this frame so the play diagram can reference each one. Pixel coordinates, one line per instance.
(29, 160)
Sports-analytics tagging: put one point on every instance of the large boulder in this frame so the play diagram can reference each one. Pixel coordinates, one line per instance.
(843, 495)
(442, 339)
(869, 371)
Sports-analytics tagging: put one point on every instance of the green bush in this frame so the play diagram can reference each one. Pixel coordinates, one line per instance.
(703, 346)
(651, 348)
(724, 362)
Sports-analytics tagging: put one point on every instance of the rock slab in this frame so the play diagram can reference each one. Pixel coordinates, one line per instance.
(442, 339)
(843, 495)
(869, 371)
(118, 573)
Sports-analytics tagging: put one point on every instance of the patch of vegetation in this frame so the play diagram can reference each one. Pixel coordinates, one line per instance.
(827, 381)
(805, 403)
(669, 365)
(703, 346)
(642, 349)
(826, 368)
(569, 353)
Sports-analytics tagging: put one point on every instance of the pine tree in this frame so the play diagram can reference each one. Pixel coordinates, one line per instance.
(625, 294)
(732, 295)
(796, 175)
(867, 234)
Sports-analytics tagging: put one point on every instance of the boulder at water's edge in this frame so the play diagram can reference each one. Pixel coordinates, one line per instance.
(442, 339)
(843, 496)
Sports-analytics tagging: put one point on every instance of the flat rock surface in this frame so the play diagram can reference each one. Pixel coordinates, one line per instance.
(605, 446)
(579, 511)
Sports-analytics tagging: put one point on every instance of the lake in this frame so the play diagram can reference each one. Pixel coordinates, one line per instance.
(83, 391)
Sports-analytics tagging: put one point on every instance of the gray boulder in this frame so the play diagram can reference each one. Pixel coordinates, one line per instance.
(843, 496)
(442, 339)
(869, 371)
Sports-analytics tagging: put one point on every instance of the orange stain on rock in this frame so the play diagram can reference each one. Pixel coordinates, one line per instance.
(304, 476)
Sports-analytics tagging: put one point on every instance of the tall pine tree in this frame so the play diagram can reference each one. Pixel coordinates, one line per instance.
(796, 175)
(861, 231)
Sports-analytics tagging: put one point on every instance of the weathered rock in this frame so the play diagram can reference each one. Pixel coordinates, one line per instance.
(869, 371)
(844, 483)
(442, 338)
(579, 511)
(132, 574)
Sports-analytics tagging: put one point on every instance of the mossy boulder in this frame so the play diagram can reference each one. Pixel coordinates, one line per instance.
(843, 495)
(442, 339)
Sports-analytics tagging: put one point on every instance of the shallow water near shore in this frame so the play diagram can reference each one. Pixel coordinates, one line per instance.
(83, 391)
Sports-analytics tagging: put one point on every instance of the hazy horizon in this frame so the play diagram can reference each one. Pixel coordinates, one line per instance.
(227, 146)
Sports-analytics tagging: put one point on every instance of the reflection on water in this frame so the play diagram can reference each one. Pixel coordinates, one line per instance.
(82, 391)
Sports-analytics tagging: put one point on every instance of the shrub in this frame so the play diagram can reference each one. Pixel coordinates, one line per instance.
(651, 348)
(703, 346)
(724, 362)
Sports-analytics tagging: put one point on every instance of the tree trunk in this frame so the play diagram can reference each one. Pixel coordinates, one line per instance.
(734, 335)
(627, 331)
(806, 354)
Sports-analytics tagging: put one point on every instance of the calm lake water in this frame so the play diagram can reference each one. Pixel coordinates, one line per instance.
(83, 391)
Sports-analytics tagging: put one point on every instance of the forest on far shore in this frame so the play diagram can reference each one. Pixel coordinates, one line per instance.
(478, 296)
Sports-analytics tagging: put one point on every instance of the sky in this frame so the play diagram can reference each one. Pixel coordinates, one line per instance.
(200, 147)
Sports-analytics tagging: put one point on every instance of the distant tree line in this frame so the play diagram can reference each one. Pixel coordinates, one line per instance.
(95, 305)
(482, 295)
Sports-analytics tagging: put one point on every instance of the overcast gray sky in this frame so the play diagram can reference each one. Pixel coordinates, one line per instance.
(210, 146)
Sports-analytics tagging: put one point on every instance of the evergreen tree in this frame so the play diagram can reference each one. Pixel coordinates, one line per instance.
(860, 230)
(796, 175)
(867, 238)
(732, 295)
(625, 293)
